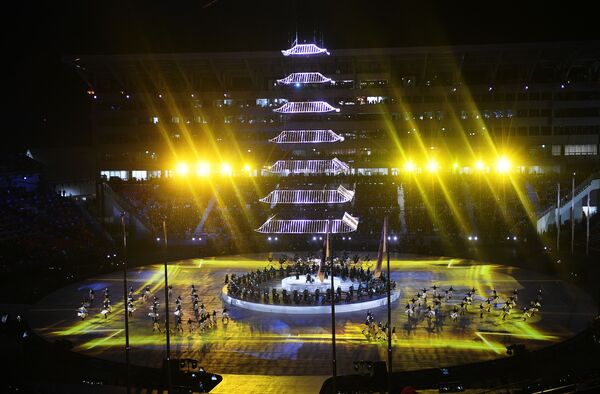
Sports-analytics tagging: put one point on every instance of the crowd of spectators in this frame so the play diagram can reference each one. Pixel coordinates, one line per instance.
(44, 235)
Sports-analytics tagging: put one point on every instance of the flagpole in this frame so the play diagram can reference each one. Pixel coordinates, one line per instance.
(333, 358)
(167, 328)
(389, 307)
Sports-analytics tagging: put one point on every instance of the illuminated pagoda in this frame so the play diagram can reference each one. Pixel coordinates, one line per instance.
(302, 196)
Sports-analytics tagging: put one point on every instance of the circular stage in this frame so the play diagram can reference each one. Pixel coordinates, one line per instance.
(256, 343)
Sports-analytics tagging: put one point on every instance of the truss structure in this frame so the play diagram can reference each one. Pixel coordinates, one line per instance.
(333, 166)
(306, 137)
(304, 78)
(304, 50)
(340, 195)
(347, 224)
(306, 107)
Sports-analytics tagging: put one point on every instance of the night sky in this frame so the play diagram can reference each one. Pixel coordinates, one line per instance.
(46, 102)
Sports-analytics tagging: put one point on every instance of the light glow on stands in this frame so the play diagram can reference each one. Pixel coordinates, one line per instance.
(347, 224)
(304, 50)
(306, 137)
(335, 196)
(306, 107)
(479, 165)
(334, 166)
(304, 77)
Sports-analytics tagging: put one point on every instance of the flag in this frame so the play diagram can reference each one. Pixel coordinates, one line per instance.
(382, 248)
(326, 254)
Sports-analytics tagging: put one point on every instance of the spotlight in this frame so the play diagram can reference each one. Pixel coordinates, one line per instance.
(202, 169)
(225, 169)
(182, 169)
(503, 165)
(432, 166)
(479, 165)
(409, 166)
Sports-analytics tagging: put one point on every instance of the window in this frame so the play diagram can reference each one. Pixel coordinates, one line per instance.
(175, 119)
(154, 120)
(556, 150)
(115, 174)
(140, 175)
(154, 174)
(581, 150)
(262, 102)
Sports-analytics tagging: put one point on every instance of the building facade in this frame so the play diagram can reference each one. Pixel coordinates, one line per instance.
(538, 103)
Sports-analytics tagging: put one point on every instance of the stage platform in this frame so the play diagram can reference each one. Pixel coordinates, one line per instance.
(280, 344)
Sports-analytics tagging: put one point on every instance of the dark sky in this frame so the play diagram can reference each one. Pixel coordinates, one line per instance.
(47, 104)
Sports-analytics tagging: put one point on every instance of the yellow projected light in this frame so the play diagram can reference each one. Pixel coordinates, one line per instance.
(203, 169)
(182, 169)
(226, 169)
(503, 165)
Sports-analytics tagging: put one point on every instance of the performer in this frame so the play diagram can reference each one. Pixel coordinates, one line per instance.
(225, 316)
(190, 325)
(106, 308)
(82, 312)
(130, 308)
(156, 325)
(91, 296)
(481, 311)
(454, 314)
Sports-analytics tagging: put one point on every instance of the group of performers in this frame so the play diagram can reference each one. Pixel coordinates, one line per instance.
(428, 304)
(202, 319)
(82, 311)
(254, 286)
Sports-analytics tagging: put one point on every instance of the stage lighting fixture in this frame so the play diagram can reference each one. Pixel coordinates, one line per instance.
(432, 166)
(247, 168)
(182, 169)
(503, 165)
(409, 166)
(202, 169)
(479, 165)
(225, 169)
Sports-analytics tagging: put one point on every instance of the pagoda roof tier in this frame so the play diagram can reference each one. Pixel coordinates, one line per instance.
(346, 224)
(306, 107)
(304, 50)
(304, 78)
(306, 137)
(333, 166)
(340, 195)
